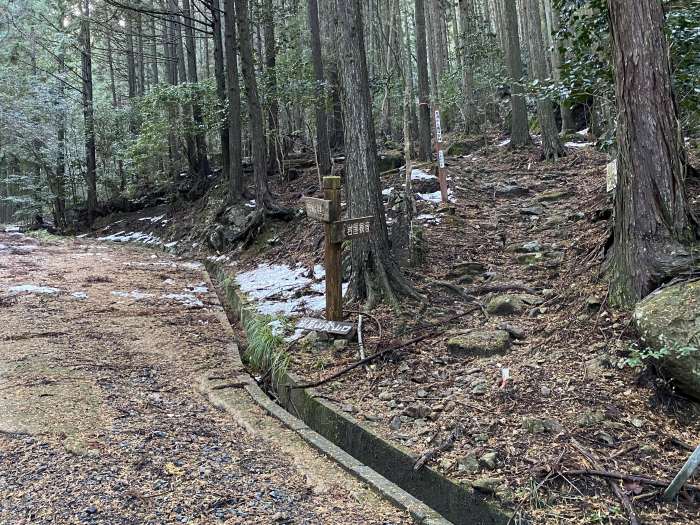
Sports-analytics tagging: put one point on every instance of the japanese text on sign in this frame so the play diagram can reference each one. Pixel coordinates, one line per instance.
(438, 127)
(441, 158)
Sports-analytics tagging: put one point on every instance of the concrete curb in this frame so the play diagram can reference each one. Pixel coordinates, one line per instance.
(420, 512)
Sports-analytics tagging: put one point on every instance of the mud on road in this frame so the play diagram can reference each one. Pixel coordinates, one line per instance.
(100, 422)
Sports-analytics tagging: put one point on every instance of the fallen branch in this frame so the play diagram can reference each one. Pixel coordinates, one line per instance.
(625, 477)
(454, 289)
(626, 503)
(443, 447)
(392, 348)
(240, 384)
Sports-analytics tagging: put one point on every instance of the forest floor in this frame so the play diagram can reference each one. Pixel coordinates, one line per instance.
(526, 238)
(99, 418)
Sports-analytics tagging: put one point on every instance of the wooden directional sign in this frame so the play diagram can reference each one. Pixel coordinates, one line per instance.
(349, 229)
(319, 209)
(321, 325)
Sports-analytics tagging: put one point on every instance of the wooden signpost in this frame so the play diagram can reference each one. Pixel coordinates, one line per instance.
(327, 210)
(440, 157)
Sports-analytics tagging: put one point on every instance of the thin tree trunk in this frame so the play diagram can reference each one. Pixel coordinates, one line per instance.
(199, 134)
(221, 87)
(154, 51)
(263, 199)
(468, 34)
(567, 118)
(424, 146)
(323, 153)
(273, 117)
(653, 223)
(88, 113)
(235, 190)
(519, 132)
(141, 86)
(551, 145)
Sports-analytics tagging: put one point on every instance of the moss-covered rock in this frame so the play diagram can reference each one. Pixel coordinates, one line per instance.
(669, 323)
(480, 342)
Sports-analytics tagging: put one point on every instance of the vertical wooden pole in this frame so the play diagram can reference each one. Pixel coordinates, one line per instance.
(334, 294)
(437, 126)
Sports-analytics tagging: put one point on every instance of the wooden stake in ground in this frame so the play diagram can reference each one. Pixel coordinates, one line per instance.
(333, 249)
(440, 157)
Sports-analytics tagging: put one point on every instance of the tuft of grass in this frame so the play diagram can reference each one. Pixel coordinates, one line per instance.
(43, 235)
(265, 352)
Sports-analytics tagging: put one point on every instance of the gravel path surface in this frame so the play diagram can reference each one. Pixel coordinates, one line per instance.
(99, 420)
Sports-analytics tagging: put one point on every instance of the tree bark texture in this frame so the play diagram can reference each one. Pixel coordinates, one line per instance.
(424, 126)
(220, 77)
(235, 190)
(375, 275)
(323, 153)
(539, 70)
(88, 113)
(519, 132)
(653, 224)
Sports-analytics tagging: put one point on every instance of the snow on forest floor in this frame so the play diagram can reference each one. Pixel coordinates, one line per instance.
(99, 421)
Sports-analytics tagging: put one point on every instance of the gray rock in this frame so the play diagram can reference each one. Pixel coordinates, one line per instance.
(340, 344)
(552, 195)
(480, 389)
(487, 485)
(417, 411)
(480, 342)
(395, 423)
(385, 396)
(539, 426)
(309, 339)
(530, 258)
(468, 463)
(668, 322)
(350, 409)
(591, 418)
(531, 247)
(506, 304)
(488, 460)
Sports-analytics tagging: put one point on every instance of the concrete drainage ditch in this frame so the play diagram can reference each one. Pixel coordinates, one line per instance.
(459, 504)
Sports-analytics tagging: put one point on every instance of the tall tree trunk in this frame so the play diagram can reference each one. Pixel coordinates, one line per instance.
(551, 145)
(235, 188)
(273, 117)
(653, 224)
(199, 134)
(58, 186)
(263, 199)
(113, 91)
(519, 131)
(424, 146)
(323, 153)
(567, 118)
(88, 113)
(141, 86)
(154, 51)
(181, 78)
(468, 35)
(375, 275)
(221, 87)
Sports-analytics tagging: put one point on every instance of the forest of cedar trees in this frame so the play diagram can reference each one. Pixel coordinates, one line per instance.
(527, 169)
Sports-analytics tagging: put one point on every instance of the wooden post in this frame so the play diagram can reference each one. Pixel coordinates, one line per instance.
(440, 155)
(334, 278)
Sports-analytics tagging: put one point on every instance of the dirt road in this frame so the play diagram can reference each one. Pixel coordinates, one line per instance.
(100, 422)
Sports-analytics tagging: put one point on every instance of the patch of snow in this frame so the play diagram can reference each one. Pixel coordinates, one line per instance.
(503, 144)
(421, 175)
(319, 272)
(276, 327)
(81, 235)
(152, 219)
(3, 246)
(122, 236)
(32, 288)
(192, 265)
(426, 217)
(187, 299)
(583, 132)
(79, 295)
(435, 197)
(387, 191)
(134, 294)
(250, 204)
(271, 279)
(170, 244)
(11, 228)
(578, 144)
